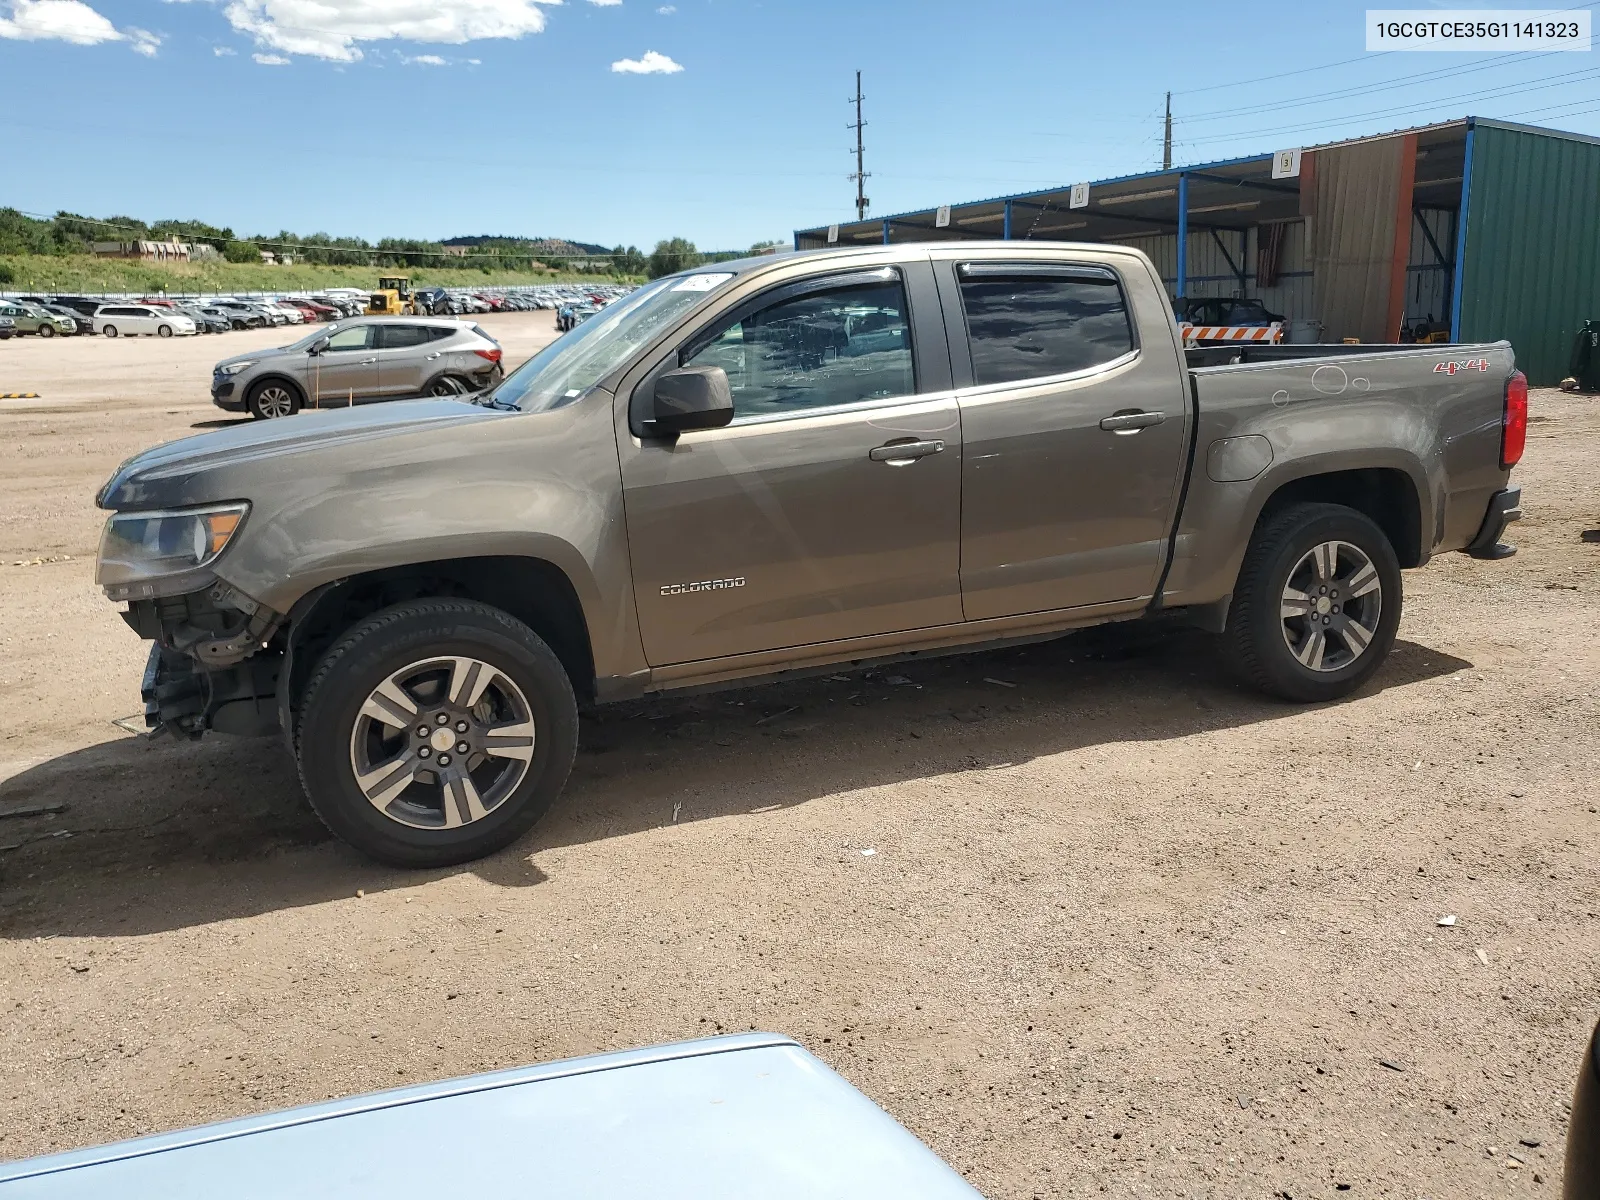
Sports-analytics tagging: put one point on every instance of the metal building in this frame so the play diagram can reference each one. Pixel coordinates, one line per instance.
(1483, 228)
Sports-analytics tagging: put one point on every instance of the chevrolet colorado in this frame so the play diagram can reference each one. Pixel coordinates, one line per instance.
(775, 466)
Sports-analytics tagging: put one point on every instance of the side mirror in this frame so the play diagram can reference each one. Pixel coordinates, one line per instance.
(318, 346)
(692, 398)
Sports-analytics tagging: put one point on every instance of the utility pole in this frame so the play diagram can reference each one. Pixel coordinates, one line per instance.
(1166, 137)
(860, 177)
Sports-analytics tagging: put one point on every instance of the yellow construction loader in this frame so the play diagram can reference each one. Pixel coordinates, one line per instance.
(392, 299)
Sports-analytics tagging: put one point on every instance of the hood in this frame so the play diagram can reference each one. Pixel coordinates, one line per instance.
(173, 474)
(258, 355)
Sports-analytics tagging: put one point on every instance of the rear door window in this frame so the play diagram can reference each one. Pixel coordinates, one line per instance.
(401, 337)
(817, 350)
(1032, 321)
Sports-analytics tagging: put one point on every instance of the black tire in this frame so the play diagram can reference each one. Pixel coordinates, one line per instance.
(1257, 641)
(239, 325)
(415, 631)
(164, 331)
(272, 398)
(46, 331)
(109, 331)
(447, 386)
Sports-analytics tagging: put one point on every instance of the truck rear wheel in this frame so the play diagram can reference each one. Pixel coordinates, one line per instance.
(436, 732)
(1317, 604)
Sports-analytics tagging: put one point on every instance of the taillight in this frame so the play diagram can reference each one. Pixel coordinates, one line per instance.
(1514, 424)
(494, 356)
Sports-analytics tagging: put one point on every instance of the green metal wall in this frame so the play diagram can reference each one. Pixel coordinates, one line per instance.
(1532, 256)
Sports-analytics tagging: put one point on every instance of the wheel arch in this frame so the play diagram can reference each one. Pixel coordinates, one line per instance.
(535, 591)
(1387, 494)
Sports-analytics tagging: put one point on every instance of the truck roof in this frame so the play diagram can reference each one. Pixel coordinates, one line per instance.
(746, 1115)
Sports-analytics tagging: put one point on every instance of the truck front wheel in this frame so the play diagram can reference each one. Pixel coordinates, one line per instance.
(1317, 604)
(436, 732)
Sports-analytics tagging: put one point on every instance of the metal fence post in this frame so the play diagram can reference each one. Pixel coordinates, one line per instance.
(1183, 234)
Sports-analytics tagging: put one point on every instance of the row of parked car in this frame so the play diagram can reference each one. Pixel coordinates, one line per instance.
(440, 302)
(161, 316)
(65, 316)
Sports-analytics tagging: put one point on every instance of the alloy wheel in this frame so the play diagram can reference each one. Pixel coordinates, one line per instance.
(275, 400)
(1331, 605)
(442, 743)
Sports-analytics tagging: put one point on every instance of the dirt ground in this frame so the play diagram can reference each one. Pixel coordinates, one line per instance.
(1086, 917)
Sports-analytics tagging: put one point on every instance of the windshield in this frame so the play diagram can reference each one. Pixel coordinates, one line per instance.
(576, 361)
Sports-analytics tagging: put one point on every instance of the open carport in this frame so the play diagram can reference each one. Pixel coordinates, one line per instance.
(1358, 239)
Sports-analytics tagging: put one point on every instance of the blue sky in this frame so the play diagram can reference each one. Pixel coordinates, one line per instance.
(718, 120)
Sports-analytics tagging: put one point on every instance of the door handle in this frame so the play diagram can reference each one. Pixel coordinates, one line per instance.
(434, 355)
(903, 454)
(1131, 422)
(367, 362)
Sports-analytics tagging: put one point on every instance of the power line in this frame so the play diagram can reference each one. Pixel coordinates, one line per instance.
(1358, 89)
(1395, 111)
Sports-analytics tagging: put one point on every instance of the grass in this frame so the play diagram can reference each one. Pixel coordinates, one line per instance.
(82, 273)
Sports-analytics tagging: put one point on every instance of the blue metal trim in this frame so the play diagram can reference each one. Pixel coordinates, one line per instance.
(1461, 237)
(1183, 233)
(1005, 232)
(886, 231)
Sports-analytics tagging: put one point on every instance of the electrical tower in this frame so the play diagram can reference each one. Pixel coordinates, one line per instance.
(1166, 137)
(861, 174)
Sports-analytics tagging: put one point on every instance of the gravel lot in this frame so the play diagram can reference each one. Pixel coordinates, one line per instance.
(1123, 927)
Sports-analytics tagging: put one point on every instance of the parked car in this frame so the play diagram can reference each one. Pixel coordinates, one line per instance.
(345, 305)
(242, 315)
(1224, 310)
(424, 590)
(80, 323)
(312, 310)
(82, 305)
(727, 1118)
(8, 329)
(377, 358)
(291, 314)
(132, 320)
(206, 320)
(434, 301)
(30, 318)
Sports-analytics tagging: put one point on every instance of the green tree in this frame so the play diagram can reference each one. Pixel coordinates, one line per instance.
(236, 251)
(674, 254)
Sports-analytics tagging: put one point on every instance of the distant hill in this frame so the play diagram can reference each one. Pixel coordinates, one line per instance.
(534, 245)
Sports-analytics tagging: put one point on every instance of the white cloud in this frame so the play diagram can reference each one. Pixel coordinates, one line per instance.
(271, 60)
(651, 64)
(427, 60)
(57, 20)
(142, 41)
(605, 3)
(335, 29)
(224, 51)
(666, 10)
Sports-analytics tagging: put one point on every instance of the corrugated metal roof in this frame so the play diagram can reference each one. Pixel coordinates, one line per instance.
(1249, 160)
(1531, 270)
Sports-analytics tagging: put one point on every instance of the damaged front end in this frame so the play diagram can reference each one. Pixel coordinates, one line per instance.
(214, 664)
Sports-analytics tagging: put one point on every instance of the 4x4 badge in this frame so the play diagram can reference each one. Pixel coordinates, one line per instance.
(1471, 364)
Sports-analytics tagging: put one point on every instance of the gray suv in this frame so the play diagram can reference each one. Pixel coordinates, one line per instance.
(359, 361)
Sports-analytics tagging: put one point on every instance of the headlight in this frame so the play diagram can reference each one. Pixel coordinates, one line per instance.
(139, 547)
(235, 368)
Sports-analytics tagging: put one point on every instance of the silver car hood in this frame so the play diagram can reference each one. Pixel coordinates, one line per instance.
(139, 482)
